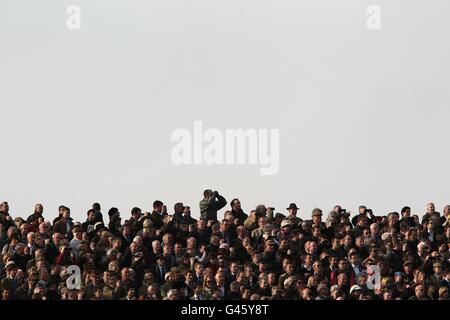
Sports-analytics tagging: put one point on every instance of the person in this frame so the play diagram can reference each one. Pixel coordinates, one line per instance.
(136, 221)
(187, 218)
(237, 211)
(88, 226)
(114, 225)
(419, 293)
(157, 214)
(259, 258)
(364, 212)
(210, 204)
(443, 293)
(98, 212)
(37, 214)
(431, 212)
(64, 224)
(292, 214)
(5, 217)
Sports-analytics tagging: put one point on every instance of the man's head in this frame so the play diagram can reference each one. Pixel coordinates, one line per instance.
(406, 212)
(158, 206)
(262, 222)
(422, 248)
(172, 294)
(91, 215)
(178, 207)
(66, 213)
(136, 213)
(348, 240)
(56, 237)
(4, 207)
(446, 210)
(420, 291)
(201, 224)
(336, 242)
(354, 258)
(39, 208)
(236, 204)
(308, 259)
(362, 221)
(342, 265)
(220, 279)
(96, 207)
(207, 194)
(374, 251)
(374, 229)
(342, 279)
(316, 216)
(430, 208)
(292, 209)
(156, 245)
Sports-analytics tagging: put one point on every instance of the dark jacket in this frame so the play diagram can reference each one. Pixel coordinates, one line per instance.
(114, 224)
(157, 219)
(63, 227)
(241, 215)
(209, 207)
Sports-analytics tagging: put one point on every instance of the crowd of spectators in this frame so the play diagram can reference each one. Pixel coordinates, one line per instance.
(261, 255)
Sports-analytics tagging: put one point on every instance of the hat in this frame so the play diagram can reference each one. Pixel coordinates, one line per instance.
(285, 223)
(106, 234)
(10, 265)
(398, 274)
(292, 206)
(331, 220)
(354, 288)
(437, 264)
(334, 287)
(268, 227)
(112, 251)
(270, 241)
(316, 212)
(168, 274)
(98, 226)
(76, 228)
(84, 241)
(160, 256)
(279, 215)
(409, 262)
(224, 246)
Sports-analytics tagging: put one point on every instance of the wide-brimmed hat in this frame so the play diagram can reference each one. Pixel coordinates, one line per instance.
(354, 288)
(98, 226)
(316, 212)
(286, 223)
(292, 206)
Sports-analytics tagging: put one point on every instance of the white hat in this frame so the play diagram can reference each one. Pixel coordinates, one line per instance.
(354, 288)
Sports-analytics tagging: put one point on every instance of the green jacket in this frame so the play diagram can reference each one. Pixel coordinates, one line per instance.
(209, 207)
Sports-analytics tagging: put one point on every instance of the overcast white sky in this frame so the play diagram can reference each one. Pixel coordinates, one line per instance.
(87, 115)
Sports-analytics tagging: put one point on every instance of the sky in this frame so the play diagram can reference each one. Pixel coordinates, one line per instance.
(87, 115)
